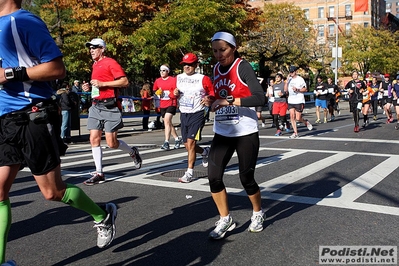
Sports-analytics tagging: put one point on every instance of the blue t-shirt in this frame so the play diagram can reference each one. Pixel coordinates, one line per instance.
(24, 41)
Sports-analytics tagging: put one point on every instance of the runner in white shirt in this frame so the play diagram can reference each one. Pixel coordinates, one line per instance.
(296, 100)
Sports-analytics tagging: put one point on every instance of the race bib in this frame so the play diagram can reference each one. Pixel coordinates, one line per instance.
(227, 115)
(277, 94)
(187, 101)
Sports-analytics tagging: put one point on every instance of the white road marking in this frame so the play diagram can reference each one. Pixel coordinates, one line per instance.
(342, 198)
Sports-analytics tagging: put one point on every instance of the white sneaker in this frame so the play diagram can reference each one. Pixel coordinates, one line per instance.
(222, 226)
(106, 228)
(205, 157)
(263, 124)
(187, 178)
(256, 223)
(294, 136)
(309, 125)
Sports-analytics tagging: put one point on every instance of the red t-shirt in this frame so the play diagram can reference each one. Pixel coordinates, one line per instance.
(168, 86)
(146, 101)
(107, 69)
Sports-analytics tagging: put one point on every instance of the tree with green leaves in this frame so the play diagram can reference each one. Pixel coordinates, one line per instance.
(185, 26)
(280, 38)
(369, 49)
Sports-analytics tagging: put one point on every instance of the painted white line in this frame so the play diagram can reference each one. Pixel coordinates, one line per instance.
(303, 172)
(362, 184)
(269, 160)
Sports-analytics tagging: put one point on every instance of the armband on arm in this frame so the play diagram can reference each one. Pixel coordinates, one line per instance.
(16, 74)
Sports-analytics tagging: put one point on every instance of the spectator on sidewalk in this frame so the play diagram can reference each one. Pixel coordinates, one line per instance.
(146, 98)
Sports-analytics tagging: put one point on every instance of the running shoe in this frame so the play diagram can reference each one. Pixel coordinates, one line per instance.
(325, 120)
(187, 178)
(256, 223)
(205, 157)
(278, 133)
(318, 121)
(356, 129)
(397, 126)
(294, 136)
(178, 142)
(136, 157)
(375, 118)
(332, 118)
(391, 119)
(309, 125)
(165, 146)
(222, 226)
(106, 228)
(95, 179)
(263, 125)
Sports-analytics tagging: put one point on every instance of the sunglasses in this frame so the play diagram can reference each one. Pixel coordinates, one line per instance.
(190, 65)
(93, 47)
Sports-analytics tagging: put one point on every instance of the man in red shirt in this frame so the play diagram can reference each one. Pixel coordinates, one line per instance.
(104, 114)
(164, 87)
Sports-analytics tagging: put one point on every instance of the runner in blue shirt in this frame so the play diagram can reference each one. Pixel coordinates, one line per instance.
(29, 119)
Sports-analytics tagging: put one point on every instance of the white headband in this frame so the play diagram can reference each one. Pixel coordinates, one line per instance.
(225, 36)
(163, 67)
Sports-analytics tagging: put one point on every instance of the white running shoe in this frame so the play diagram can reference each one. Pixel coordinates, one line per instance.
(222, 226)
(256, 223)
(106, 228)
(187, 178)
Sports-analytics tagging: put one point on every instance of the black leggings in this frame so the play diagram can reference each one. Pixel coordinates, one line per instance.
(222, 149)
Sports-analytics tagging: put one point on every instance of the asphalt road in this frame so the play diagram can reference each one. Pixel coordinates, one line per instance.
(330, 187)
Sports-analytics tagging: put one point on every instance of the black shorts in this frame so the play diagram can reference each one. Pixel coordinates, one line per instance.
(386, 100)
(169, 109)
(191, 125)
(258, 108)
(298, 107)
(37, 145)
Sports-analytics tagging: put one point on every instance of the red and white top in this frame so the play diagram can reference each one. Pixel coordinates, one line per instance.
(192, 89)
(167, 87)
(233, 121)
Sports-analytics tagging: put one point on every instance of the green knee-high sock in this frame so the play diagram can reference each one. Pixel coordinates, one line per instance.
(5, 224)
(75, 197)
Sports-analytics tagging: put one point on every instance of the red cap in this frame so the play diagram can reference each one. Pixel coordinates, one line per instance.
(386, 76)
(189, 59)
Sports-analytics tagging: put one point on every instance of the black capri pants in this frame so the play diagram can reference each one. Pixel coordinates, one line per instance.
(222, 149)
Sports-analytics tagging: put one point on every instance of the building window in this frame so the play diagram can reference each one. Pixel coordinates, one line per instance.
(348, 10)
(331, 12)
(347, 28)
(366, 24)
(321, 12)
(320, 30)
(306, 11)
(331, 30)
(388, 5)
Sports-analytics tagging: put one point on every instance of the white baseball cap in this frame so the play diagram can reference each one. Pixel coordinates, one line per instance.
(96, 41)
